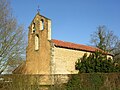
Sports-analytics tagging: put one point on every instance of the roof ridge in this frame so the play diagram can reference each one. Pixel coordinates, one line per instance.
(75, 46)
(74, 43)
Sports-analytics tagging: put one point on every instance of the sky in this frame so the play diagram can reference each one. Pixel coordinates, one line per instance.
(72, 20)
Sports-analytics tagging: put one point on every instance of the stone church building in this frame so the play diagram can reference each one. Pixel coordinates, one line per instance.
(49, 56)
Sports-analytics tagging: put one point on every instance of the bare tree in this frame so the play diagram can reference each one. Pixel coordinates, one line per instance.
(106, 40)
(11, 37)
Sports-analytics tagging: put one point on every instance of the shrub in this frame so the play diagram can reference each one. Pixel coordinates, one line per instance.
(96, 62)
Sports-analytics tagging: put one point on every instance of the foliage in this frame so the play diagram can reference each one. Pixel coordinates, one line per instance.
(96, 62)
(84, 81)
(117, 54)
(97, 80)
(106, 40)
(11, 37)
(94, 81)
(74, 83)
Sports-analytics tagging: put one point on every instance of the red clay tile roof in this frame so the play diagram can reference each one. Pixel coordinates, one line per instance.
(70, 45)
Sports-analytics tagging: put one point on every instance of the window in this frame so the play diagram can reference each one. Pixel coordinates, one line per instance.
(36, 42)
(41, 24)
(33, 27)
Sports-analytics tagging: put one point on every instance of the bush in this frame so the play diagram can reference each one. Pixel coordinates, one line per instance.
(74, 83)
(94, 81)
(96, 62)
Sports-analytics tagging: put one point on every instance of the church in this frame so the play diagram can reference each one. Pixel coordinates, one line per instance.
(45, 55)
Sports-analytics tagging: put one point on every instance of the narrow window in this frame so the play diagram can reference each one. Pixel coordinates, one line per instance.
(41, 24)
(33, 28)
(36, 42)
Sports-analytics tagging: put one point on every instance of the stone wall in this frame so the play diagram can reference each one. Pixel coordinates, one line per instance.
(38, 60)
(64, 60)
